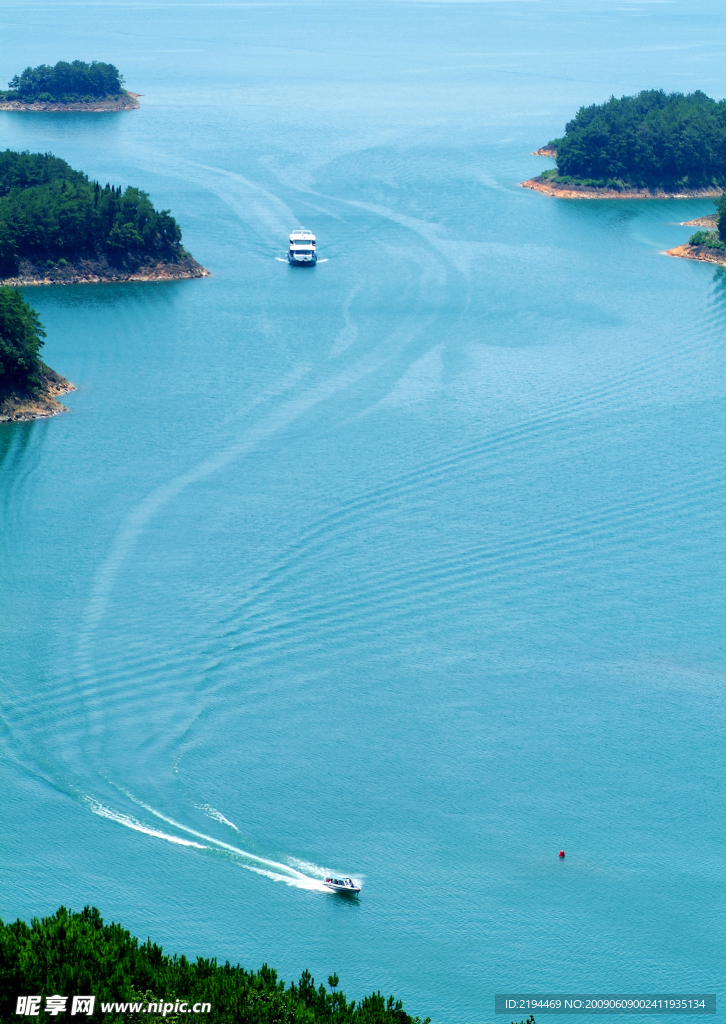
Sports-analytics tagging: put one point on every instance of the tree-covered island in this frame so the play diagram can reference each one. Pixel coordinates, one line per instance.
(58, 227)
(653, 145)
(93, 87)
(28, 388)
(69, 955)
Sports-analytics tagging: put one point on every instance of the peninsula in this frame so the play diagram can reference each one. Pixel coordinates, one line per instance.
(706, 245)
(28, 388)
(92, 88)
(58, 227)
(655, 145)
(137, 981)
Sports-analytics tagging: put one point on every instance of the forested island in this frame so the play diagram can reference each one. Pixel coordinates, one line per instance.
(93, 88)
(28, 388)
(77, 954)
(653, 145)
(58, 227)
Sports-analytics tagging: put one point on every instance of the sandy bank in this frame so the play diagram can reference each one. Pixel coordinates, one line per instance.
(550, 188)
(698, 252)
(19, 406)
(128, 101)
(100, 270)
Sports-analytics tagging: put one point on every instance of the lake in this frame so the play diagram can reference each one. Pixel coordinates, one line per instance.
(409, 566)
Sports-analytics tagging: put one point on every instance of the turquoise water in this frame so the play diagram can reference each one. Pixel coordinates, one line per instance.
(410, 566)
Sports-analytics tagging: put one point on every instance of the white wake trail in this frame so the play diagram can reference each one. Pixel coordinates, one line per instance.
(282, 872)
(124, 819)
(273, 870)
(212, 812)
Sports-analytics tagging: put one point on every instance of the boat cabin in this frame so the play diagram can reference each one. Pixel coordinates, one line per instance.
(302, 247)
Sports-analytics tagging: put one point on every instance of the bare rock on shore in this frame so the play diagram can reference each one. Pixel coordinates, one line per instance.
(704, 253)
(98, 269)
(571, 191)
(701, 222)
(546, 151)
(127, 101)
(19, 406)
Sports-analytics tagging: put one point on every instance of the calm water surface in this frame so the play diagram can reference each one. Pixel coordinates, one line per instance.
(410, 566)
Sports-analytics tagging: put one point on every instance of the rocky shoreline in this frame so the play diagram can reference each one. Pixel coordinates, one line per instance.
(546, 151)
(128, 101)
(99, 269)
(550, 188)
(704, 253)
(709, 221)
(20, 406)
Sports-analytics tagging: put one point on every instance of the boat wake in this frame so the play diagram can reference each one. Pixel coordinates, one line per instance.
(284, 259)
(277, 871)
(125, 819)
(316, 871)
(211, 812)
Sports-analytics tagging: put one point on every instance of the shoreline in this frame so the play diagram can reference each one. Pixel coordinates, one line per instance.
(546, 151)
(702, 253)
(100, 271)
(21, 407)
(128, 101)
(547, 188)
(709, 221)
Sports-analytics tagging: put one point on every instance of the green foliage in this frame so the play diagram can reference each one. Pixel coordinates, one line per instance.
(652, 139)
(21, 170)
(567, 179)
(21, 334)
(48, 210)
(77, 954)
(66, 82)
(708, 238)
(721, 215)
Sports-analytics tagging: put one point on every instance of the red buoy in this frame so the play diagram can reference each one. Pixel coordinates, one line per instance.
(562, 853)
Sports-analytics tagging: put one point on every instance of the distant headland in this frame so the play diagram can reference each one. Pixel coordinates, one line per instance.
(58, 227)
(28, 388)
(76, 86)
(567, 188)
(706, 245)
(650, 146)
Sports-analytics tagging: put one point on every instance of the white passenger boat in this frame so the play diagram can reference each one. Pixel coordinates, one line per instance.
(302, 248)
(342, 885)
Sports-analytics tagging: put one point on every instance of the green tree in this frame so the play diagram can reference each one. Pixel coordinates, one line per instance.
(707, 238)
(21, 170)
(72, 954)
(68, 82)
(50, 211)
(721, 216)
(652, 139)
(21, 337)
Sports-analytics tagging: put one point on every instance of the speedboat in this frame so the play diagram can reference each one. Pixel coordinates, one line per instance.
(342, 885)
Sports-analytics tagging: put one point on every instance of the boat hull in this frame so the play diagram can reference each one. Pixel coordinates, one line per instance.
(302, 263)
